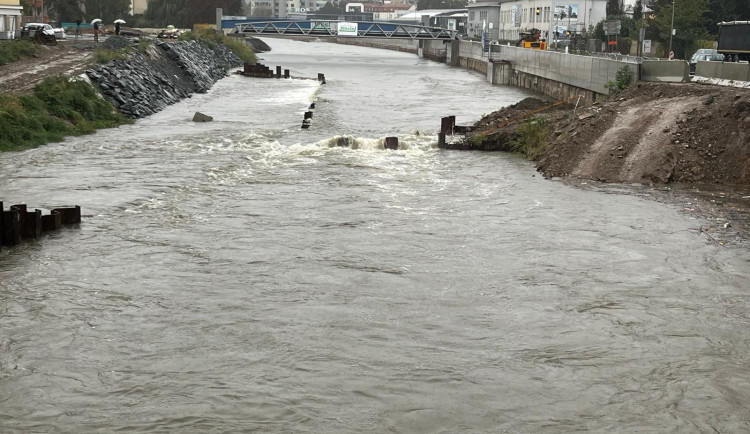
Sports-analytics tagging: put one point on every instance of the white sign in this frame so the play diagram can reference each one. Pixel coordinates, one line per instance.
(347, 29)
(647, 46)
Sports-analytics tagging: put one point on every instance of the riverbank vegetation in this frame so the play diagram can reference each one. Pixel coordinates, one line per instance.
(16, 49)
(532, 137)
(58, 107)
(212, 38)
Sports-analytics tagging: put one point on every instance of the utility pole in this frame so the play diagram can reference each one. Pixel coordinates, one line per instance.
(671, 32)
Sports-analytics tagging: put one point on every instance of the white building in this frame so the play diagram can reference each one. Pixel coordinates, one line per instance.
(505, 19)
(10, 17)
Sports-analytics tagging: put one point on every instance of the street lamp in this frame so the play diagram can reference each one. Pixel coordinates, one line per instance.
(671, 32)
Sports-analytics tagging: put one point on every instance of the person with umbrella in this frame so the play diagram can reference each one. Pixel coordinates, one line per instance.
(117, 25)
(95, 23)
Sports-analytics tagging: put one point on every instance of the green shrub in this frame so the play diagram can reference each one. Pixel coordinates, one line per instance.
(241, 50)
(532, 137)
(16, 49)
(622, 81)
(58, 107)
(213, 38)
(104, 55)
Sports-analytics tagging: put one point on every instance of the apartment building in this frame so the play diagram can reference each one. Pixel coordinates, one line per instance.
(506, 19)
(10, 17)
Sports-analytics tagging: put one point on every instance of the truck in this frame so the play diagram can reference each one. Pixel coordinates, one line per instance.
(734, 40)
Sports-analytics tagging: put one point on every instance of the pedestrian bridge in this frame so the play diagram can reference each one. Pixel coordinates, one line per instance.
(355, 29)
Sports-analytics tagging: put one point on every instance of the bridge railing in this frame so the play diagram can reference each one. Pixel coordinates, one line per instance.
(362, 29)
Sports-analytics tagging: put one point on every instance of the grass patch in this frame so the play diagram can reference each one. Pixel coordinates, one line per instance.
(16, 49)
(104, 55)
(532, 137)
(57, 108)
(212, 38)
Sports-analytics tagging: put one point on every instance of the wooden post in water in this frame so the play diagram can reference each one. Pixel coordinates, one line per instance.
(321, 78)
(12, 229)
(391, 143)
(278, 72)
(441, 140)
(286, 73)
(33, 224)
(52, 222)
(446, 124)
(69, 215)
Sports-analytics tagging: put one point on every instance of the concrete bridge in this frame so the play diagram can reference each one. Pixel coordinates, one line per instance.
(354, 29)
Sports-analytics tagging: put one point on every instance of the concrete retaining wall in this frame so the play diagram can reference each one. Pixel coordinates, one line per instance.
(557, 75)
(724, 70)
(583, 72)
(675, 71)
(406, 45)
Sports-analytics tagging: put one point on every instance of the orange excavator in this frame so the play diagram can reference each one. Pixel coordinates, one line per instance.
(532, 39)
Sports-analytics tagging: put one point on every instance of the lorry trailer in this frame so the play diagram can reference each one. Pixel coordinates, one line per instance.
(734, 40)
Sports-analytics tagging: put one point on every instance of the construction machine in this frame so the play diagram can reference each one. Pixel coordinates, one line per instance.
(532, 39)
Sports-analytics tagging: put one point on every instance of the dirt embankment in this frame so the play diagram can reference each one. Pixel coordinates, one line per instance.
(653, 135)
(656, 133)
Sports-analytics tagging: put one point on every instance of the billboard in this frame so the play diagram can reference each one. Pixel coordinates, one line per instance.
(516, 16)
(566, 11)
(347, 29)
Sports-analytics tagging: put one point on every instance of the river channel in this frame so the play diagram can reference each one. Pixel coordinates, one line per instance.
(246, 275)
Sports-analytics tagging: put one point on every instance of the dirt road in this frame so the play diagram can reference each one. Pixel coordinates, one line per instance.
(62, 59)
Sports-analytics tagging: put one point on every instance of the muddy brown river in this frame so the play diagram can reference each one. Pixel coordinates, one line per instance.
(246, 275)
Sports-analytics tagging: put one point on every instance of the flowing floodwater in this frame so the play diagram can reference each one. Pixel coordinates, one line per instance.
(246, 275)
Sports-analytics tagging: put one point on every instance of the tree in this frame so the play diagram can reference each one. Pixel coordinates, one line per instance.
(107, 10)
(27, 9)
(690, 25)
(185, 13)
(614, 7)
(64, 10)
(329, 9)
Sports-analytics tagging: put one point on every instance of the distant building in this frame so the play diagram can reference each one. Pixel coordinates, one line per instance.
(386, 12)
(10, 17)
(506, 19)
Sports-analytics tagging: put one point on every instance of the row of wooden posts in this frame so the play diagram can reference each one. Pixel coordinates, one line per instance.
(262, 71)
(18, 223)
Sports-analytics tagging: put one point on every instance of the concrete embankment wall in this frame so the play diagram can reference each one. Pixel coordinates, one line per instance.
(165, 73)
(558, 75)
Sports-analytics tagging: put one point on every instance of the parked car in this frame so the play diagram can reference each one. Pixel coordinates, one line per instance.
(29, 30)
(59, 31)
(40, 33)
(704, 55)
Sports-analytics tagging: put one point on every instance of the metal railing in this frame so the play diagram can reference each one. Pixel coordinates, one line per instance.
(364, 29)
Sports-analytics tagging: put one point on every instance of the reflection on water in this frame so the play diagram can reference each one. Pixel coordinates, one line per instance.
(248, 275)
